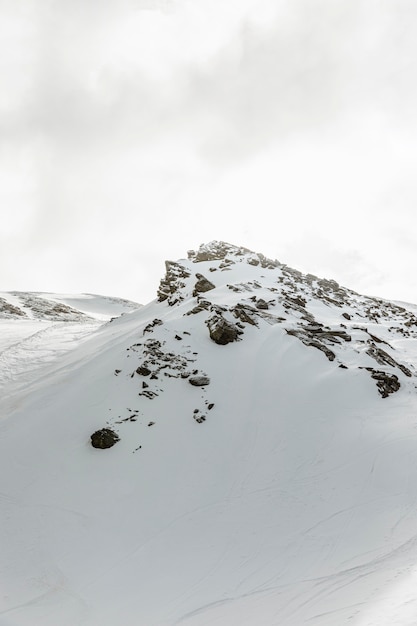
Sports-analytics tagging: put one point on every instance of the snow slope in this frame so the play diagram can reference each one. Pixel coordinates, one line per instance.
(283, 491)
(37, 329)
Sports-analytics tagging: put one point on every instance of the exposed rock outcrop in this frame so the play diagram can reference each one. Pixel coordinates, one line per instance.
(221, 331)
(202, 285)
(386, 383)
(172, 283)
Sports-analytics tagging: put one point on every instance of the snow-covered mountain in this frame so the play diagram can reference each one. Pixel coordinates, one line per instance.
(262, 468)
(37, 329)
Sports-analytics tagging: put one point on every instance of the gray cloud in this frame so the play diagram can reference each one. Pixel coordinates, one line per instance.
(317, 63)
(79, 116)
(323, 62)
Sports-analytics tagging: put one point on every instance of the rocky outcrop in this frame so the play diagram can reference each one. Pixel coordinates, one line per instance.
(318, 336)
(215, 251)
(221, 331)
(383, 358)
(10, 310)
(202, 285)
(226, 252)
(172, 283)
(386, 383)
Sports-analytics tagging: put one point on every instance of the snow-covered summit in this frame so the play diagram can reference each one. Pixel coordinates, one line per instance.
(232, 284)
(263, 435)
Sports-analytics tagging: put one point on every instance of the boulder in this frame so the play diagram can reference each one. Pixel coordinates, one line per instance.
(202, 285)
(199, 381)
(261, 304)
(104, 438)
(221, 331)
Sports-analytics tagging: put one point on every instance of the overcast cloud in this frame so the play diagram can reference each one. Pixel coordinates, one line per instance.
(133, 130)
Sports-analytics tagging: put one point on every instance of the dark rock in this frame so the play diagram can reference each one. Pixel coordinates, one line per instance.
(172, 283)
(346, 316)
(215, 251)
(221, 331)
(386, 383)
(202, 285)
(104, 438)
(383, 358)
(142, 370)
(210, 406)
(148, 394)
(261, 304)
(243, 313)
(151, 423)
(199, 381)
(308, 340)
(203, 305)
(149, 328)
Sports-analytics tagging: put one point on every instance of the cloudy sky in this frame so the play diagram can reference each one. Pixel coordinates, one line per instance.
(134, 130)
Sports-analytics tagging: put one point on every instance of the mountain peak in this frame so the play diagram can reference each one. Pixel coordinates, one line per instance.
(235, 288)
(244, 448)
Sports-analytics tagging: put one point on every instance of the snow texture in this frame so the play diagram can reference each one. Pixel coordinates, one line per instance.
(281, 490)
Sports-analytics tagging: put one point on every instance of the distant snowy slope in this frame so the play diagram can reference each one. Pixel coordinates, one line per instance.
(61, 307)
(265, 472)
(36, 329)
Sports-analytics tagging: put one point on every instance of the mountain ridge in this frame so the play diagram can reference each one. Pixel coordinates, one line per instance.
(261, 473)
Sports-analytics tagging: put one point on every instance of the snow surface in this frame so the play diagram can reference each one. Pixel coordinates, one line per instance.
(293, 502)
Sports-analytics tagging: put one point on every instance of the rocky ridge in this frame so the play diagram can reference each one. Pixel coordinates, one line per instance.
(225, 293)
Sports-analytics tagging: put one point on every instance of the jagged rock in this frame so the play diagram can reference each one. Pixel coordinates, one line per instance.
(386, 383)
(149, 328)
(171, 284)
(243, 313)
(215, 251)
(142, 370)
(104, 438)
(221, 331)
(202, 285)
(261, 304)
(383, 358)
(199, 381)
(203, 305)
(308, 340)
(333, 335)
(266, 263)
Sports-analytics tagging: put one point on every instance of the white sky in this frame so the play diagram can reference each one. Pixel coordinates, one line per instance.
(134, 130)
